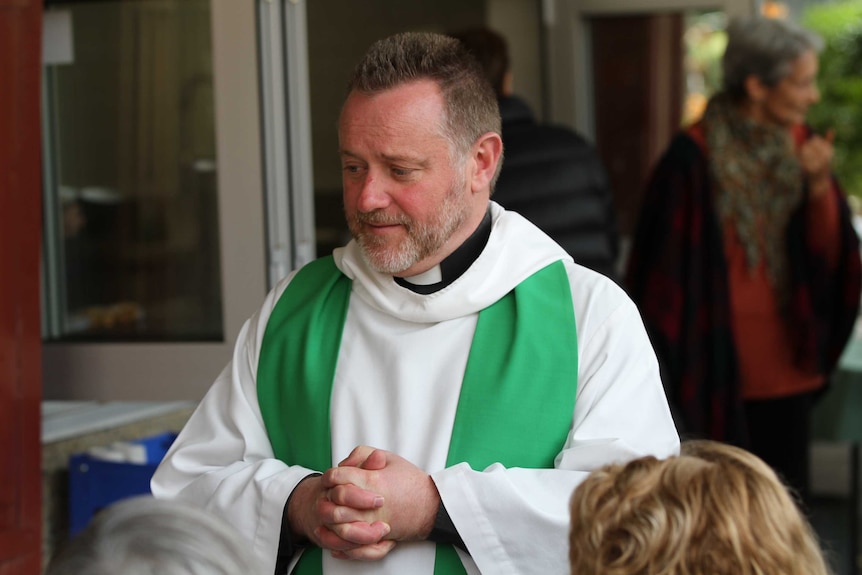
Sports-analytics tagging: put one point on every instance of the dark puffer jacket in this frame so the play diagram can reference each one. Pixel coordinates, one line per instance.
(554, 178)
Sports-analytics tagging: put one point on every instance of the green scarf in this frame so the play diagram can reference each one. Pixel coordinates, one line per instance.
(522, 363)
(757, 184)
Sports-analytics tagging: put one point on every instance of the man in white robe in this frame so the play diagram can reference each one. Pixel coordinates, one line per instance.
(431, 252)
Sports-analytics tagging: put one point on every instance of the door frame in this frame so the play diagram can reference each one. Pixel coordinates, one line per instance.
(568, 48)
(20, 240)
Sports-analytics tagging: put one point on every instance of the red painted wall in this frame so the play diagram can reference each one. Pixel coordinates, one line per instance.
(20, 236)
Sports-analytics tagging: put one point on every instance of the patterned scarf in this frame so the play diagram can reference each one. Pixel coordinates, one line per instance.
(758, 183)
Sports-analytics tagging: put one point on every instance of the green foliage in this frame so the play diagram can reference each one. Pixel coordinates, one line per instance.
(705, 40)
(840, 81)
(707, 54)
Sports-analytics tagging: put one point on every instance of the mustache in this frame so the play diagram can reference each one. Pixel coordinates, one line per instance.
(381, 218)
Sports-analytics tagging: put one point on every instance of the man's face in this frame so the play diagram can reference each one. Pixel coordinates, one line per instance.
(406, 204)
(787, 102)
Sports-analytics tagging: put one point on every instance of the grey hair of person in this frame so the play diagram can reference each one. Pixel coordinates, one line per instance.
(765, 48)
(148, 536)
(470, 104)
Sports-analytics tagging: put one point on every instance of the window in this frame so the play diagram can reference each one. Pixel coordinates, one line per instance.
(154, 254)
(130, 199)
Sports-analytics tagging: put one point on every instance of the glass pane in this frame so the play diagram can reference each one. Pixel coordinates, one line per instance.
(704, 39)
(132, 243)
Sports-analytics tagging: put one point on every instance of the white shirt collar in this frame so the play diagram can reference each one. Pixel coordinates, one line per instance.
(432, 276)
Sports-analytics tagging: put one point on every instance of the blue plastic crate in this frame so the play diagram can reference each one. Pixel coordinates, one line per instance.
(95, 483)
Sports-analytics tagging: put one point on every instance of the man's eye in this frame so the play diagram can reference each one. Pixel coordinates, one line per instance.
(351, 169)
(401, 172)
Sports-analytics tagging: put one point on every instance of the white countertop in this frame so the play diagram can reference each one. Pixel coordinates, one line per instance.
(66, 419)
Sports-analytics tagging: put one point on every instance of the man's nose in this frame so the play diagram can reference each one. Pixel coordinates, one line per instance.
(373, 195)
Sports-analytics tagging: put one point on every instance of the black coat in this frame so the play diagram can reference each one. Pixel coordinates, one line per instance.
(554, 178)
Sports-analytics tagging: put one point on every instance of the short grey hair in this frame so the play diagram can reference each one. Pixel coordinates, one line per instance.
(147, 536)
(765, 48)
(470, 107)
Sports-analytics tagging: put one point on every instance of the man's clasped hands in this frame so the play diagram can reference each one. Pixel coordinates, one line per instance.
(361, 508)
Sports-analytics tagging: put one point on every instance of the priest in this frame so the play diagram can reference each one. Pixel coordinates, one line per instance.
(426, 398)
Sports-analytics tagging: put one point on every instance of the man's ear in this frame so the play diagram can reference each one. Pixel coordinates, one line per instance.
(487, 153)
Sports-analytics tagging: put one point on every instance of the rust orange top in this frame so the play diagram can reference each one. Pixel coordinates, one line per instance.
(763, 347)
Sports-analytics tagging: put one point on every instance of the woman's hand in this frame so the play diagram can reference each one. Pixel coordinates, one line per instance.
(815, 158)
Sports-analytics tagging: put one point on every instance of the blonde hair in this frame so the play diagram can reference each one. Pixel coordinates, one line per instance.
(715, 509)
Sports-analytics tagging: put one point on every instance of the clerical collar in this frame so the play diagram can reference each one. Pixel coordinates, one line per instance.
(454, 265)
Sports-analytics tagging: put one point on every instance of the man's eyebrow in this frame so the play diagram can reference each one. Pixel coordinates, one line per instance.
(420, 161)
(343, 152)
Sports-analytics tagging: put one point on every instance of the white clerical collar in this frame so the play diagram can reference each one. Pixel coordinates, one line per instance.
(432, 276)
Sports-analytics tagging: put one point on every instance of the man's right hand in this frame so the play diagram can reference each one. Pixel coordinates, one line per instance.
(338, 528)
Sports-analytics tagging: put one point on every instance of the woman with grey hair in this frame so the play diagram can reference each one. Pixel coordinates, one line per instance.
(745, 264)
(147, 536)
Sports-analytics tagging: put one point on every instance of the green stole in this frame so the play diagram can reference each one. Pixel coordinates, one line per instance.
(517, 396)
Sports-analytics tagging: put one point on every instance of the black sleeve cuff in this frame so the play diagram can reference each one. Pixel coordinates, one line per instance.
(287, 546)
(444, 530)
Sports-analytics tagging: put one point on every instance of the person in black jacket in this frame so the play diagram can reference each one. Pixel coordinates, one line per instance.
(551, 175)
